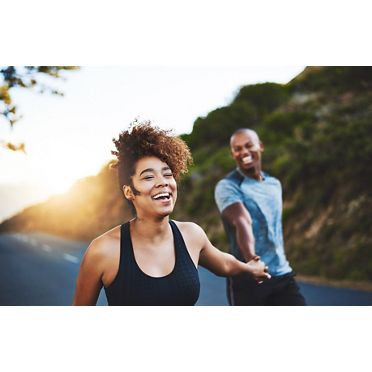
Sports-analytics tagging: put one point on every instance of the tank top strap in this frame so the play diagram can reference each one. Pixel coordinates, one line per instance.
(180, 244)
(126, 251)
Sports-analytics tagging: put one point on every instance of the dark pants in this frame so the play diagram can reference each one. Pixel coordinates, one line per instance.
(283, 290)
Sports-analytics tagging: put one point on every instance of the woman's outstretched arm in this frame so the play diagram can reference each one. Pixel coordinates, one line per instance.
(225, 264)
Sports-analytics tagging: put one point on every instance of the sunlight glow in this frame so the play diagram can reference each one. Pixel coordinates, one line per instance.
(69, 137)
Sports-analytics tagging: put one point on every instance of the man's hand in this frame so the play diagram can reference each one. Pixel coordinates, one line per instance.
(257, 269)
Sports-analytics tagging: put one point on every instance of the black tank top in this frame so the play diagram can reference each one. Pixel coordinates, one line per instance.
(132, 286)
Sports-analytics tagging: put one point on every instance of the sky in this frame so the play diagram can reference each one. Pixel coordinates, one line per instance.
(71, 137)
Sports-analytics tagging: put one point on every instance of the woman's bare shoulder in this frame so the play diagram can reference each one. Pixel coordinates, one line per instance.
(190, 228)
(194, 237)
(113, 233)
(104, 244)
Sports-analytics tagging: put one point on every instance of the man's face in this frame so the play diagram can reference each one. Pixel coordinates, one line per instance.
(246, 150)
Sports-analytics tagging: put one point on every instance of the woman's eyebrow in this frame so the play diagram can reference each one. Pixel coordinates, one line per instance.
(147, 170)
(152, 170)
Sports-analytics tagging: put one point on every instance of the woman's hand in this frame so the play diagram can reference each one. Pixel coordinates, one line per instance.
(257, 269)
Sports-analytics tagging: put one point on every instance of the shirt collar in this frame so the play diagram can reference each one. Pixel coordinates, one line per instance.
(263, 175)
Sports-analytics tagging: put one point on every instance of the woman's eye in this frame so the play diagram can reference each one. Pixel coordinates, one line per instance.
(148, 178)
(168, 175)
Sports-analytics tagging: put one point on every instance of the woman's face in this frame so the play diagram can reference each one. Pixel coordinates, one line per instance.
(156, 186)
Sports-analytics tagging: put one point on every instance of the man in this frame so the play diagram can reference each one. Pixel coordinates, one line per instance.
(250, 202)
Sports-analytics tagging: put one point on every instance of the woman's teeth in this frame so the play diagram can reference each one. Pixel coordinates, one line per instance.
(162, 196)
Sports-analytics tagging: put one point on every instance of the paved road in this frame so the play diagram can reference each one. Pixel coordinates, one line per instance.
(40, 269)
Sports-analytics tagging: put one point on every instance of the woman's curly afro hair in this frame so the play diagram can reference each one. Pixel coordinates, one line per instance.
(144, 139)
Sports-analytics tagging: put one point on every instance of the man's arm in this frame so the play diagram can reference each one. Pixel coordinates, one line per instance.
(237, 215)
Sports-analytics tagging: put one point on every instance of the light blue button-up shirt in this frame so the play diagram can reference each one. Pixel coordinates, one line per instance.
(263, 200)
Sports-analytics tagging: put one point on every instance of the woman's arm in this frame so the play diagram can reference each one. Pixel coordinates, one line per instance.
(89, 283)
(225, 264)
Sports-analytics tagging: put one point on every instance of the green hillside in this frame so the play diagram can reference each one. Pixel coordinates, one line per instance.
(317, 135)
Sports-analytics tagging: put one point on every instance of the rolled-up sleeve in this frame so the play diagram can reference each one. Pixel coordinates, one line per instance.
(227, 193)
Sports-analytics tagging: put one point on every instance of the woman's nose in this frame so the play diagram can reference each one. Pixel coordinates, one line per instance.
(161, 181)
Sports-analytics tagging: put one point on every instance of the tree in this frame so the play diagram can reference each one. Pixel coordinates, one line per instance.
(26, 77)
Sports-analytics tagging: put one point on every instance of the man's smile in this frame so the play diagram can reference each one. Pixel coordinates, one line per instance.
(247, 159)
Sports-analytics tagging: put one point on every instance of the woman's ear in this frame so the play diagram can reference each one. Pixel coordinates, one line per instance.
(128, 193)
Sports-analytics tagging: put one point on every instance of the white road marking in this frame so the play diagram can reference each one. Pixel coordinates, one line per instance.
(46, 247)
(71, 258)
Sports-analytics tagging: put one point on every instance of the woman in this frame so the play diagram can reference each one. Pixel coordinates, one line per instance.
(152, 260)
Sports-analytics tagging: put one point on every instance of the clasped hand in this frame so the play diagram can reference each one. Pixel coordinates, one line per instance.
(258, 270)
